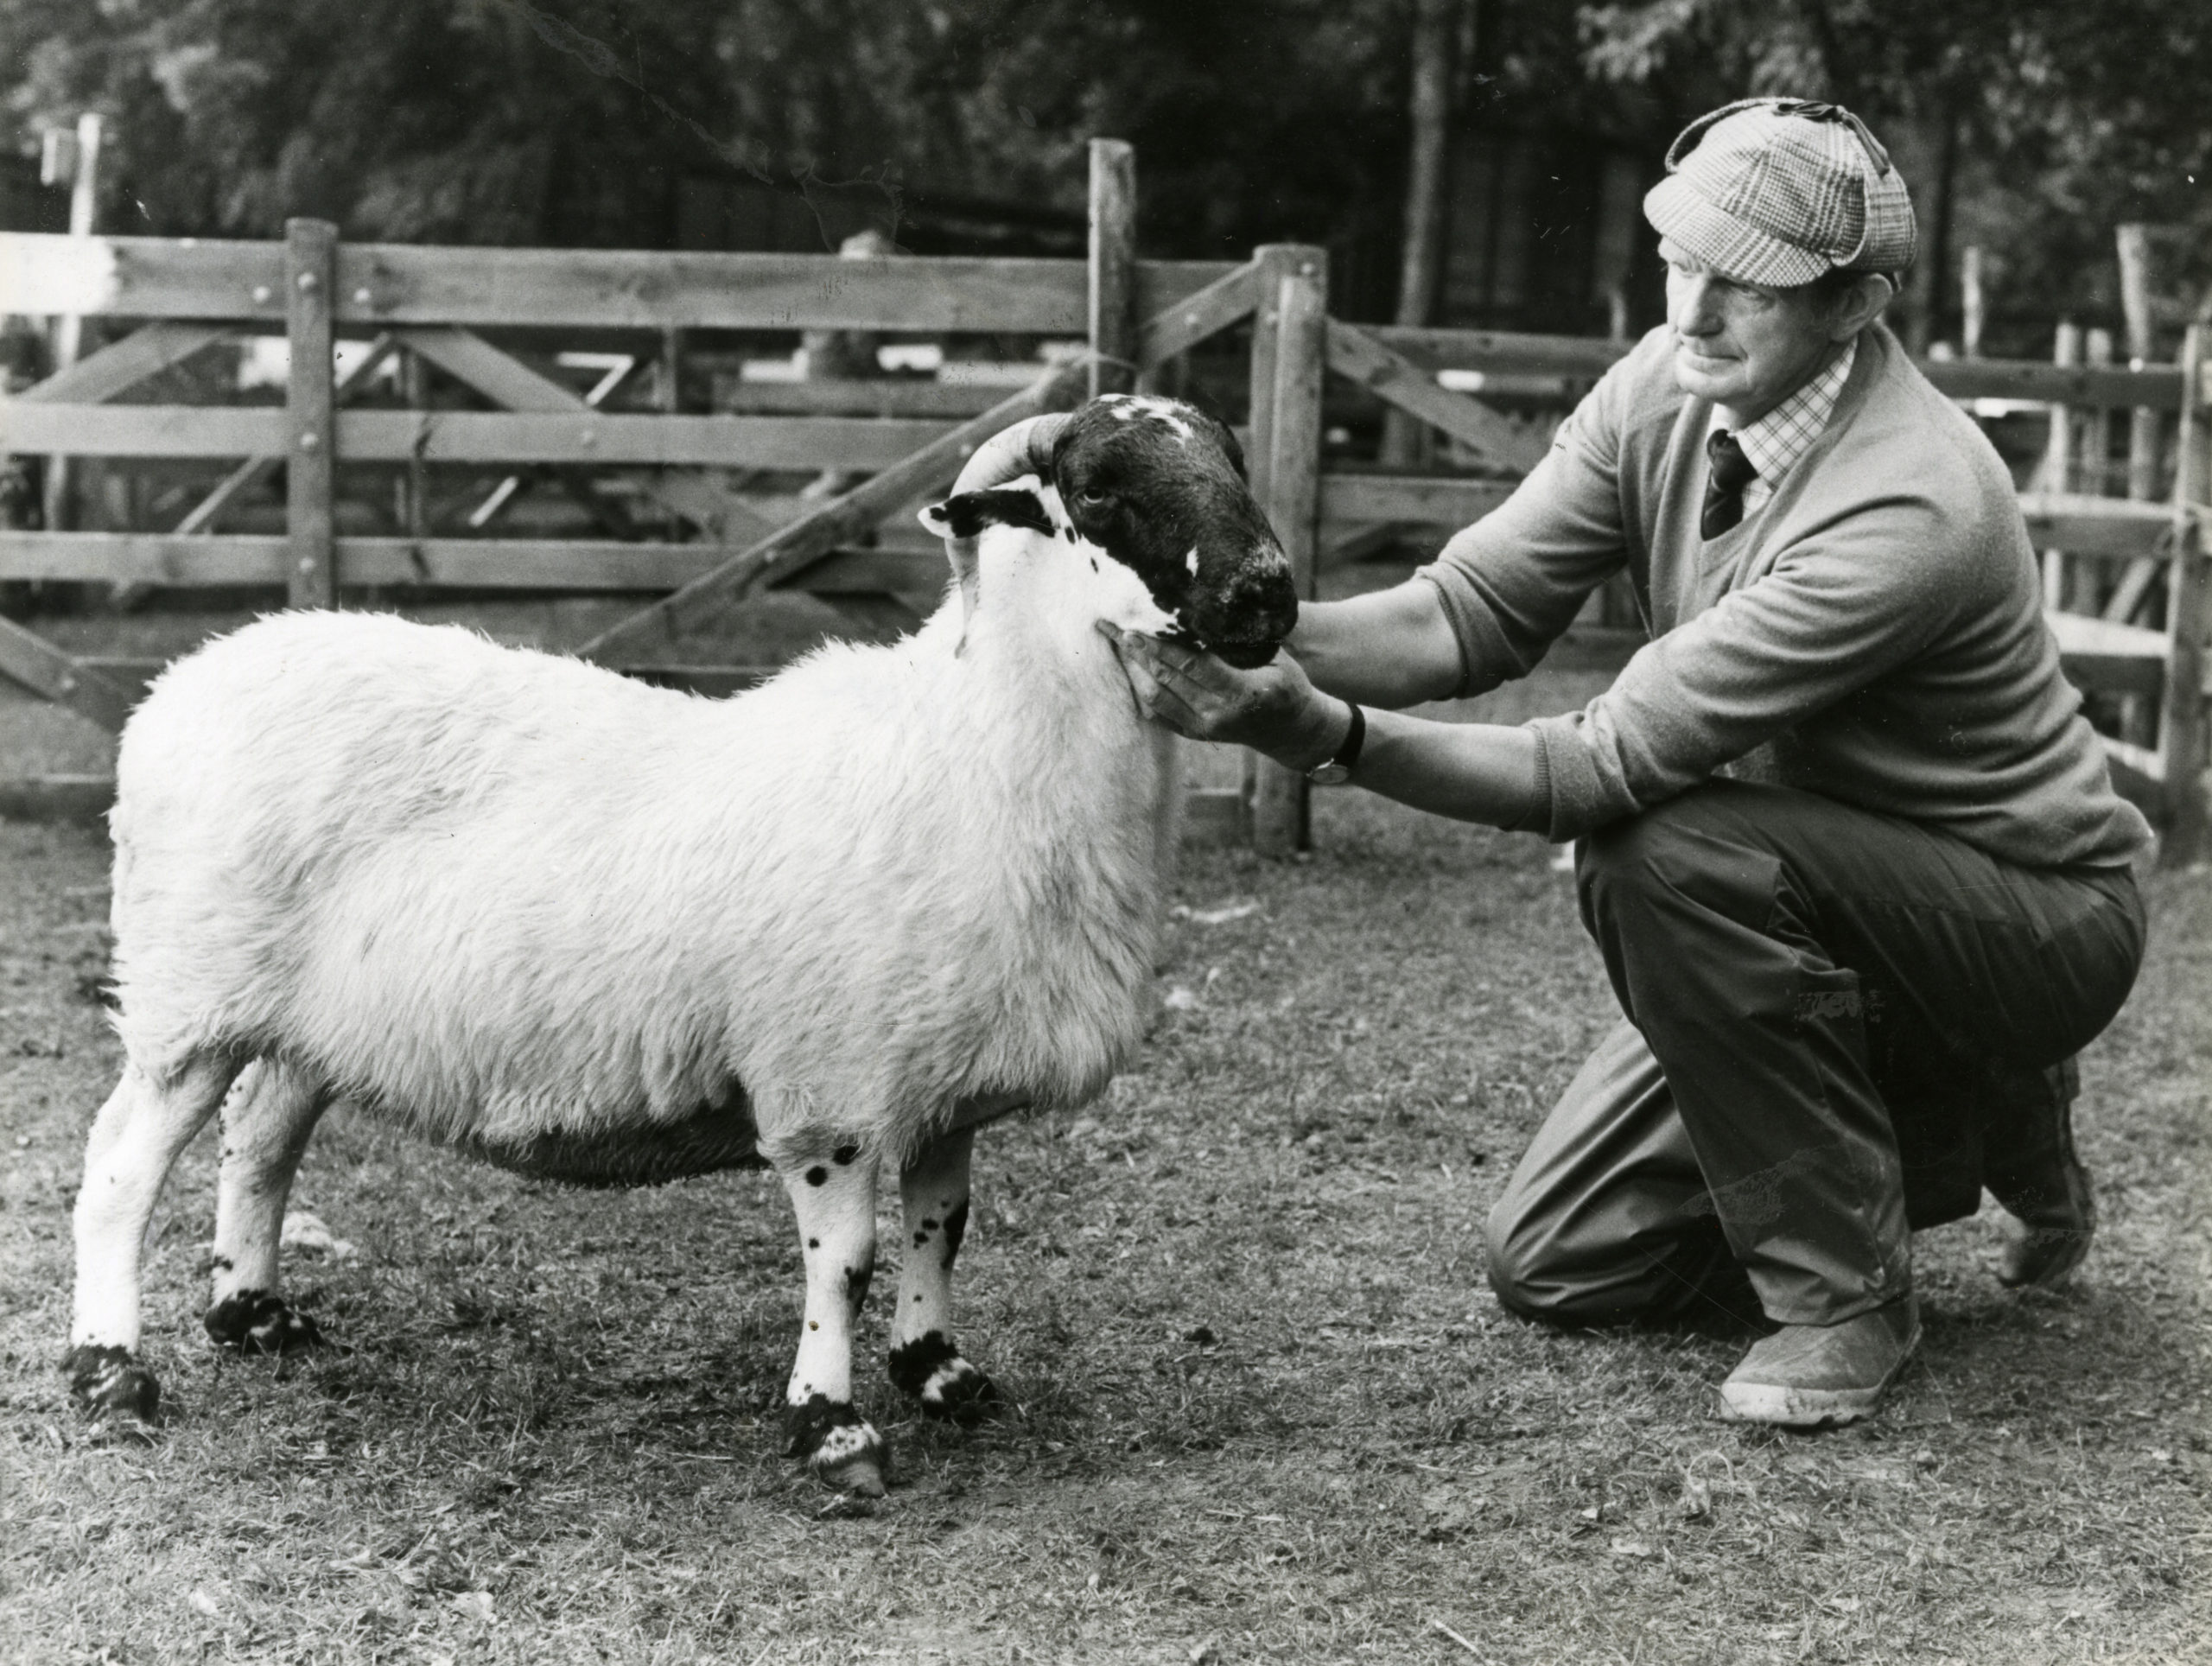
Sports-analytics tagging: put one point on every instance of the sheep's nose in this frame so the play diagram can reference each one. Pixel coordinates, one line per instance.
(1257, 607)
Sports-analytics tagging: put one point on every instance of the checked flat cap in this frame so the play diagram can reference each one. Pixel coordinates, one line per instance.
(1778, 191)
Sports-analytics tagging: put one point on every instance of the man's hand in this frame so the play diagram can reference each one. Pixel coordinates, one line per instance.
(1274, 709)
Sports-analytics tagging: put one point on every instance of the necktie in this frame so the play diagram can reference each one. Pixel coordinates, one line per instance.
(1730, 471)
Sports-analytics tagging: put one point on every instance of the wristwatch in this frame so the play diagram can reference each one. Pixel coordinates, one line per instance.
(1337, 770)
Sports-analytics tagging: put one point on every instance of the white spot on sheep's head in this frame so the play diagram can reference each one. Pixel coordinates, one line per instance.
(1179, 515)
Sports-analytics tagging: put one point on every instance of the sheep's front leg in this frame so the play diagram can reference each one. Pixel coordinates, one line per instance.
(924, 1360)
(835, 1201)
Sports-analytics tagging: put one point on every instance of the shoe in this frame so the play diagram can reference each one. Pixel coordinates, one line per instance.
(1812, 1376)
(2054, 1210)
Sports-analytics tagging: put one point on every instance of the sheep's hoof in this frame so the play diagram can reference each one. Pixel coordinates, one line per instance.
(930, 1369)
(114, 1389)
(841, 1447)
(254, 1321)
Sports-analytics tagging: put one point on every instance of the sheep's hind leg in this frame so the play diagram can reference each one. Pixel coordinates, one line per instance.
(135, 1140)
(266, 1124)
(925, 1361)
(835, 1201)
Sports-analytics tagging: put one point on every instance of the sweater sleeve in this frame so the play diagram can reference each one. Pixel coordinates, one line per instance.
(1837, 610)
(1515, 580)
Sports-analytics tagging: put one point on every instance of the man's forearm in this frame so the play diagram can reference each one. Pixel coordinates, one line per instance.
(1471, 771)
(1391, 649)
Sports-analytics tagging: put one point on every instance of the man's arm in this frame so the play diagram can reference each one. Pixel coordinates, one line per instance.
(1393, 648)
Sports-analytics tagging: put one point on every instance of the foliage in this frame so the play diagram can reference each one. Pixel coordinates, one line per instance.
(509, 121)
(2072, 119)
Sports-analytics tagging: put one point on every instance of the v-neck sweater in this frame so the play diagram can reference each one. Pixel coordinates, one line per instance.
(1873, 632)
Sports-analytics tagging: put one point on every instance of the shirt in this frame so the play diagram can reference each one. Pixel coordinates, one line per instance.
(1778, 439)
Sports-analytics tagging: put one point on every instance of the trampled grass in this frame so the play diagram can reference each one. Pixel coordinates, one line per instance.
(1264, 1407)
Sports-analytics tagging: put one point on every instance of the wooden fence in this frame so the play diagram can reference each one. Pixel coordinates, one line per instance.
(2120, 562)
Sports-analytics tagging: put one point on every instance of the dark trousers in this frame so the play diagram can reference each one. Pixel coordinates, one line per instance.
(1839, 1026)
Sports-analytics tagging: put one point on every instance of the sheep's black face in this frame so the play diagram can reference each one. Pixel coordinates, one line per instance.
(1159, 487)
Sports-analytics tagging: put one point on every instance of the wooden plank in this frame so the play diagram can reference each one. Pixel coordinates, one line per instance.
(2097, 653)
(1112, 268)
(1190, 320)
(471, 436)
(1409, 499)
(1288, 372)
(500, 377)
(146, 351)
(45, 671)
(310, 413)
(838, 521)
(1501, 351)
(1393, 378)
(406, 284)
(145, 277)
(2084, 525)
(2156, 387)
(887, 397)
(179, 561)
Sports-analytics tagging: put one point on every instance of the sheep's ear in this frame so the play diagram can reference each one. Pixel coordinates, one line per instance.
(966, 559)
(1225, 437)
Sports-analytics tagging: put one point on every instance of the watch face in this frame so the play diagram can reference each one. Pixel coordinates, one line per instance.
(1329, 775)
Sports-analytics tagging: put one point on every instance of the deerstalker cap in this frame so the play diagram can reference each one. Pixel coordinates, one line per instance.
(1778, 191)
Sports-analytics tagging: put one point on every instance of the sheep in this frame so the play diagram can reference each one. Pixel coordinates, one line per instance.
(607, 934)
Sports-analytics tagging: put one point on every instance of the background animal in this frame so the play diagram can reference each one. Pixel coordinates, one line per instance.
(610, 934)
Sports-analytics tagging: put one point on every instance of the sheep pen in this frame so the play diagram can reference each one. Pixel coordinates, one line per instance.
(599, 932)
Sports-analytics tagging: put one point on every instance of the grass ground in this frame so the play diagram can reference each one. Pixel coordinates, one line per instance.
(1264, 1406)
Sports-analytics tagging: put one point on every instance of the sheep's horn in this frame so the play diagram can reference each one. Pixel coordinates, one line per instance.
(1023, 448)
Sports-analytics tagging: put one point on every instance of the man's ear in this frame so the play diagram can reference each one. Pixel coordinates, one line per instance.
(1862, 303)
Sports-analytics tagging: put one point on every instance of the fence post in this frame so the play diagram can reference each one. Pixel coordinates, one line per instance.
(2058, 461)
(1289, 361)
(310, 408)
(1113, 266)
(2188, 616)
(2135, 308)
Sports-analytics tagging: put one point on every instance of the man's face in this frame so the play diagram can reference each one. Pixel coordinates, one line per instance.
(1744, 347)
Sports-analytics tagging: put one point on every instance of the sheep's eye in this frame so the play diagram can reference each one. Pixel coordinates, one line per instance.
(1091, 499)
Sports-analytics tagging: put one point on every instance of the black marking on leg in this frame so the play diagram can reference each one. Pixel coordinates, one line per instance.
(956, 1229)
(844, 1154)
(256, 1321)
(813, 1243)
(929, 1224)
(921, 1238)
(808, 1423)
(857, 1279)
(107, 1382)
(930, 1368)
(911, 1362)
(817, 1175)
(221, 1264)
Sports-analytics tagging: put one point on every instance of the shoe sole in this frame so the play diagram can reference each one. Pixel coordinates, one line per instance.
(1776, 1407)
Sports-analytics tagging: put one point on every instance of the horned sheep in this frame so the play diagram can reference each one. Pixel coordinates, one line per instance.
(603, 933)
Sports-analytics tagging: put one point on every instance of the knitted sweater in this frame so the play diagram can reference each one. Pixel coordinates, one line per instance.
(1873, 633)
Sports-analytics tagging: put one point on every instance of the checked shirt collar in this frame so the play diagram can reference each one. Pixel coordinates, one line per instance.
(1778, 439)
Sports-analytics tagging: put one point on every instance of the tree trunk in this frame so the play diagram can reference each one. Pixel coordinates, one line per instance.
(1436, 30)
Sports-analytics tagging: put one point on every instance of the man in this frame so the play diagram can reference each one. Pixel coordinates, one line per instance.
(1848, 849)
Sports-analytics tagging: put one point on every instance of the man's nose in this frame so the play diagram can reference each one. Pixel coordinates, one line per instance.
(1697, 310)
